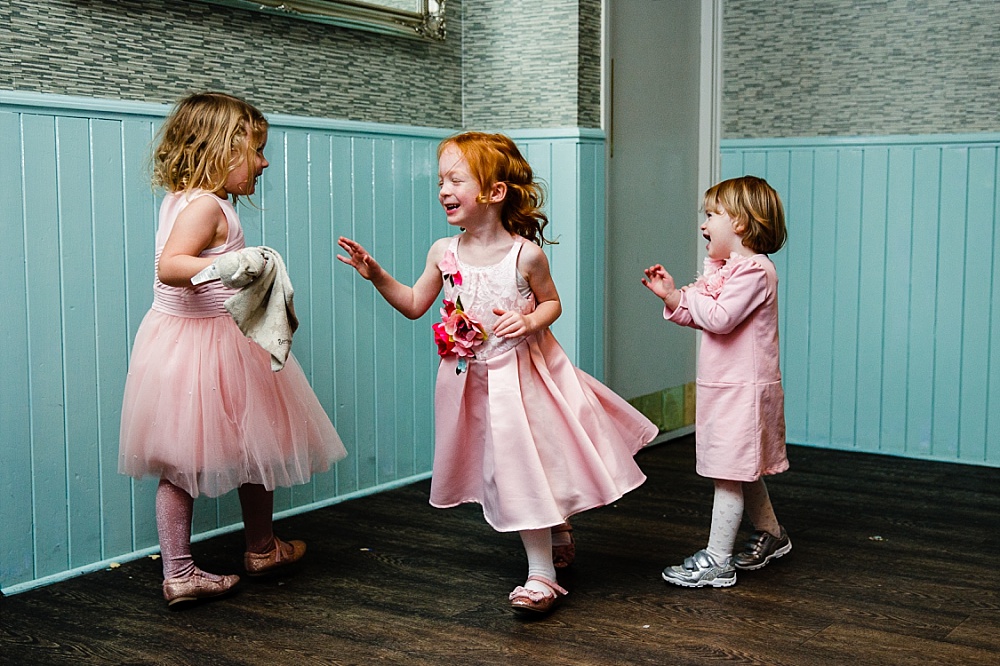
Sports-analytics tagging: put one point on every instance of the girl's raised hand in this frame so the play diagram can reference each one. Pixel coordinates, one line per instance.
(659, 281)
(358, 257)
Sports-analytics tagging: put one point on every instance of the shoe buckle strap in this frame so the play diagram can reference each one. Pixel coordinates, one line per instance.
(552, 585)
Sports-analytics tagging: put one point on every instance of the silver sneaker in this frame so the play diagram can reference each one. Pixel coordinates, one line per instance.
(700, 570)
(761, 548)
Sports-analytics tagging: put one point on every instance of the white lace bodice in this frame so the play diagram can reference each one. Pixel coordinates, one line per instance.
(483, 288)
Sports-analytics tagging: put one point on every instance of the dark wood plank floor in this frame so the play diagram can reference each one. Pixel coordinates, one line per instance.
(894, 562)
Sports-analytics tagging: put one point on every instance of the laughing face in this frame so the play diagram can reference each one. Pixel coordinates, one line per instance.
(459, 191)
(719, 229)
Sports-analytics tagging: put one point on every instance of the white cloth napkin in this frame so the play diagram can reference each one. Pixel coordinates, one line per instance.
(262, 307)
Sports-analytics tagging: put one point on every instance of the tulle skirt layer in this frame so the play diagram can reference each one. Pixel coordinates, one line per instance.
(203, 409)
(532, 438)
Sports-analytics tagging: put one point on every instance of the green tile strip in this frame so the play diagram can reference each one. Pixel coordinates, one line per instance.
(670, 408)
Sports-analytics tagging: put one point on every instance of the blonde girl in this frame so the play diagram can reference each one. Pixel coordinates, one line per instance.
(203, 410)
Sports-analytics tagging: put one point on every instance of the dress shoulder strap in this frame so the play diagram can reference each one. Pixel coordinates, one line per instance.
(515, 250)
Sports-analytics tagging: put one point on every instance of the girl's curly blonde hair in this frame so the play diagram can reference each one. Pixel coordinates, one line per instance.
(494, 158)
(204, 138)
(756, 208)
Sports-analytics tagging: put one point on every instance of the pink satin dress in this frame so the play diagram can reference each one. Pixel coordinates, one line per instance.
(522, 431)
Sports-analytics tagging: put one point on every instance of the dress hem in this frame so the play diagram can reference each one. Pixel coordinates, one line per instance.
(772, 471)
(565, 518)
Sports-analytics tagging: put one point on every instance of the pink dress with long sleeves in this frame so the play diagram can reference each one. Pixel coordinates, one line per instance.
(522, 431)
(740, 416)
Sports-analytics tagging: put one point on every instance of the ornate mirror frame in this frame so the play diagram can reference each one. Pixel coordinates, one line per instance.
(425, 21)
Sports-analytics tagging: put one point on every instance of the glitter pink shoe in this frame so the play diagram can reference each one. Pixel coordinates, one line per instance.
(283, 554)
(199, 585)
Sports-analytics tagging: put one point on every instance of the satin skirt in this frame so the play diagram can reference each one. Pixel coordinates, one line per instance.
(532, 438)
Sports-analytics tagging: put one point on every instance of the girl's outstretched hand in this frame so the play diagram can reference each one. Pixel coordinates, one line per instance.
(511, 324)
(358, 257)
(659, 281)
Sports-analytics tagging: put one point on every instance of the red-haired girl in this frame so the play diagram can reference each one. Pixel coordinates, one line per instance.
(519, 429)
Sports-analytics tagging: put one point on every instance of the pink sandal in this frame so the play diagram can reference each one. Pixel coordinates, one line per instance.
(525, 599)
(563, 555)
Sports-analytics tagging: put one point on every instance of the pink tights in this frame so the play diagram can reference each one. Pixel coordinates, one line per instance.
(257, 506)
(174, 508)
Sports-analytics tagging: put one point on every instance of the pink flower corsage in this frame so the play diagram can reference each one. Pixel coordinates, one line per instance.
(715, 274)
(457, 333)
(449, 268)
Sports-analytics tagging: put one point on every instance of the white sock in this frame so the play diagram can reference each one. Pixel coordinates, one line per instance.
(727, 513)
(538, 547)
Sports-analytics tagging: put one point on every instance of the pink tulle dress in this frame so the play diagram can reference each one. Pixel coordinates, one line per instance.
(202, 407)
(520, 430)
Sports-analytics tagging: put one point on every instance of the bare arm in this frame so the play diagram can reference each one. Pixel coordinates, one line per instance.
(201, 225)
(413, 301)
(534, 266)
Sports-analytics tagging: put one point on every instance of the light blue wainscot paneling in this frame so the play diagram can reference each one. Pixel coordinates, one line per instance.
(889, 290)
(78, 225)
(570, 165)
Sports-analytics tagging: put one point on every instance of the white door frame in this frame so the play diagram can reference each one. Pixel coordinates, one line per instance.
(710, 102)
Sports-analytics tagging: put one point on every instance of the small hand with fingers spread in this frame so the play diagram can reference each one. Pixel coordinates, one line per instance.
(359, 258)
(661, 283)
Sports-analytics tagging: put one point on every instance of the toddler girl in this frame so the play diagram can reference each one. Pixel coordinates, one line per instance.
(740, 422)
(203, 410)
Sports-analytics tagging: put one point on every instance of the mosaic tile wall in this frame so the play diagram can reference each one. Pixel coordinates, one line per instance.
(878, 67)
(589, 65)
(527, 64)
(158, 50)
(550, 79)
